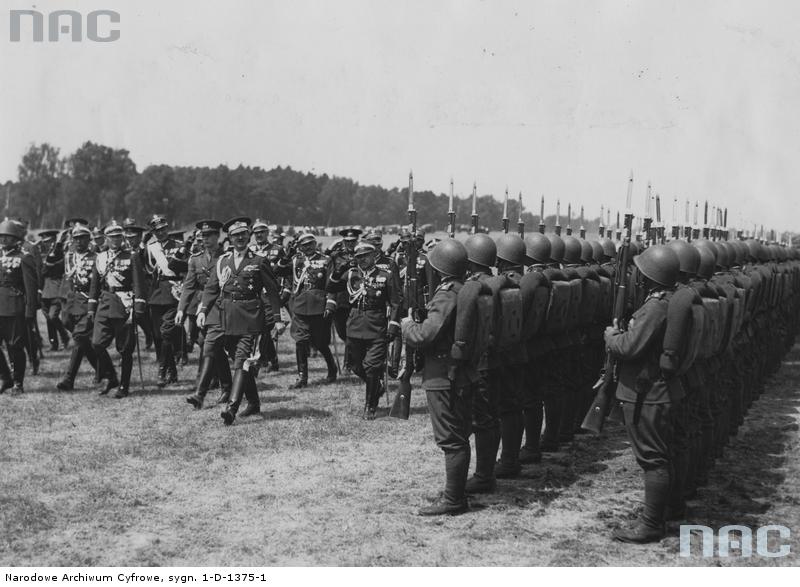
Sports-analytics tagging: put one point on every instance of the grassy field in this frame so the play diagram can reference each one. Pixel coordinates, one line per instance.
(91, 480)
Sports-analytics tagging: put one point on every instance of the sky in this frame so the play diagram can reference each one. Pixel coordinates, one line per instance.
(556, 98)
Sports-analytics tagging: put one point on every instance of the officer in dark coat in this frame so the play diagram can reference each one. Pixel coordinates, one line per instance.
(134, 237)
(374, 301)
(78, 265)
(116, 298)
(18, 302)
(52, 274)
(448, 386)
(312, 308)
(167, 263)
(644, 393)
(341, 261)
(235, 288)
(201, 265)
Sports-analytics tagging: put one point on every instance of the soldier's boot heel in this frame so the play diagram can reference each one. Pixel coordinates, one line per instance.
(223, 372)
(251, 394)
(237, 391)
(511, 431)
(105, 370)
(68, 382)
(206, 373)
(5, 373)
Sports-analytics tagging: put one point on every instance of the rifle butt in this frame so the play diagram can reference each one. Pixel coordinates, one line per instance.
(401, 407)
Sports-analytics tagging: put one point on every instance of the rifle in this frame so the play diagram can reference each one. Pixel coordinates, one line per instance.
(520, 222)
(541, 217)
(505, 213)
(451, 214)
(401, 408)
(474, 208)
(595, 417)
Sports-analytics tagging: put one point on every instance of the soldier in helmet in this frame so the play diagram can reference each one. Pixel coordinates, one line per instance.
(78, 265)
(116, 294)
(644, 393)
(448, 386)
(236, 291)
(308, 271)
(213, 362)
(374, 301)
(18, 302)
(167, 264)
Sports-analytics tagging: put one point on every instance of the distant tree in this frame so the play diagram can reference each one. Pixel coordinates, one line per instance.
(40, 174)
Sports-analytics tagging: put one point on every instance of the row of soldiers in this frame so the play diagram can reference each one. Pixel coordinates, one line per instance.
(705, 322)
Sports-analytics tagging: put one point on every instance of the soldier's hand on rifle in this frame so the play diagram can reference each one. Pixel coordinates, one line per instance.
(612, 331)
(178, 318)
(201, 319)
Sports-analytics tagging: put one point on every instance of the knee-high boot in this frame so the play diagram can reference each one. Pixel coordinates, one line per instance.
(301, 352)
(511, 433)
(237, 391)
(75, 358)
(486, 443)
(206, 373)
(552, 419)
(223, 373)
(125, 376)
(333, 371)
(251, 395)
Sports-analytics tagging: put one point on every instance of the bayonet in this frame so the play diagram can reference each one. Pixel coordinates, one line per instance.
(474, 208)
(558, 217)
(520, 222)
(451, 213)
(541, 216)
(505, 213)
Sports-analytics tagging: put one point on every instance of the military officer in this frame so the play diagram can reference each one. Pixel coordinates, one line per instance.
(18, 302)
(98, 240)
(312, 308)
(78, 266)
(644, 393)
(166, 261)
(374, 301)
(235, 289)
(135, 235)
(214, 362)
(274, 254)
(116, 298)
(448, 391)
(52, 273)
(342, 260)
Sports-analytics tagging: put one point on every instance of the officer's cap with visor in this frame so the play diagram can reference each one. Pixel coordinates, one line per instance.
(350, 234)
(306, 238)
(113, 228)
(70, 222)
(79, 230)
(209, 226)
(158, 221)
(363, 248)
(260, 225)
(237, 225)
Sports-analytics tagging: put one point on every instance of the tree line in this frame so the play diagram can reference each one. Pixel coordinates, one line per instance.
(99, 183)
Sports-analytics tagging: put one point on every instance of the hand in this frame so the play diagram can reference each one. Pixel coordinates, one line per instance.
(405, 322)
(201, 320)
(393, 330)
(327, 313)
(280, 327)
(178, 318)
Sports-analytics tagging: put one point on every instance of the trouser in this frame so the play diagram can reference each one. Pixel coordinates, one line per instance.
(123, 334)
(340, 324)
(315, 331)
(533, 404)
(451, 418)
(649, 428)
(13, 331)
(167, 338)
(81, 326)
(51, 308)
(510, 381)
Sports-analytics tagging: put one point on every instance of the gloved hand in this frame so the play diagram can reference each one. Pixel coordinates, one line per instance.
(330, 307)
(201, 319)
(178, 318)
(393, 330)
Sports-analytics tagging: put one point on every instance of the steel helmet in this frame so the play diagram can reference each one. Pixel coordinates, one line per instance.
(511, 248)
(707, 263)
(660, 264)
(572, 251)
(537, 248)
(609, 249)
(449, 257)
(598, 255)
(587, 252)
(481, 249)
(556, 248)
(688, 256)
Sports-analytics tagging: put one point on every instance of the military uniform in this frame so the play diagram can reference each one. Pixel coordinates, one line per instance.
(235, 289)
(371, 295)
(18, 302)
(117, 293)
(213, 361)
(275, 256)
(166, 261)
(78, 268)
(308, 279)
(449, 400)
(52, 275)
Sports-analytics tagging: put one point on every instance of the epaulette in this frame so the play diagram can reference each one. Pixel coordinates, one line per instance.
(446, 286)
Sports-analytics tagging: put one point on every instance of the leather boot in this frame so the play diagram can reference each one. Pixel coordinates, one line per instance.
(5, 373)
(223, 373)
(237, 391)
(206, 373)
(508, 466)
(166, 363)
(454, 500)
(369, 414)
(125, 376)
(301, 352)
(484, 481)
(106, 369)
(552, 419)
(650, 526)
(532, 417)
(333, 371)
(63, 333)
(251, 394)
(51, 334)
(75, 358)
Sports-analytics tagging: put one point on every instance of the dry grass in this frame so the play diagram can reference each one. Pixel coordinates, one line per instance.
(91, 480)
